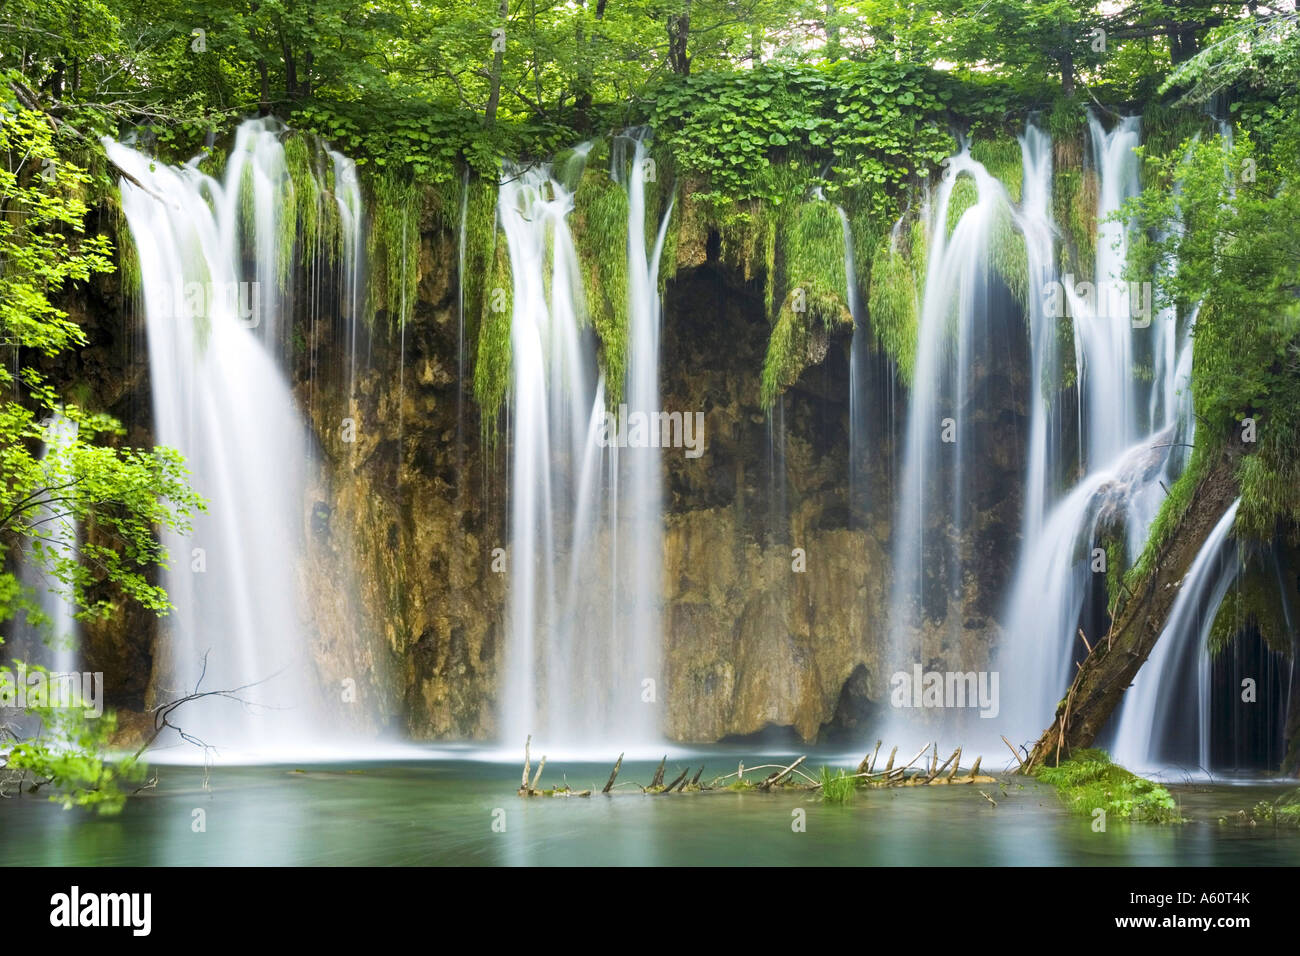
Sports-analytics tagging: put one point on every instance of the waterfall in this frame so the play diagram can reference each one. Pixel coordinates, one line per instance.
(585, 514)
(215, 312)
(59, 630)
(1053, 578)
(938, 448)
(858, 357)
(1035, 221)
(1165, 715)
(641, 506)
(1128, 450)
(347, 197)
(1103, 332)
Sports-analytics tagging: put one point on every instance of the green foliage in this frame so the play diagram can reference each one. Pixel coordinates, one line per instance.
(393, 247)
(897, 276)
(68, 756)
(1074, 207)
(1009, 256)
(313, 221)
(965, 194)
(1254, 53)
(1228, 239)
(1170, 516)
(874, 121)
(492, 365)
(1000, 155)
(599, 228)
(1088, 781)
(1251, 601)
(1284, 811)
(119, 497)
(43, 245)
(837, 787)
(814, 299)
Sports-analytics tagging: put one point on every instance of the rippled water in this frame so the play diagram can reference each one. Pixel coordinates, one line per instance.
(438, 812)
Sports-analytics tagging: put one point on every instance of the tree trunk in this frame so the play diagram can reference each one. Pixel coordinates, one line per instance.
(832, 32)
(1066, 60)
(1114, 661)
(679, 32)
(494, 75)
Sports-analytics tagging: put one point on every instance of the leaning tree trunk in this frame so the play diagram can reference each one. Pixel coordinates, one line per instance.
(1115, 658)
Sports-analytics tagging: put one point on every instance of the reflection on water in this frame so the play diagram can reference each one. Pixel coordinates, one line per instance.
(441, 812)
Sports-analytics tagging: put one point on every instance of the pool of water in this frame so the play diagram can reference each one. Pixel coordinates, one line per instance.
(460, 811)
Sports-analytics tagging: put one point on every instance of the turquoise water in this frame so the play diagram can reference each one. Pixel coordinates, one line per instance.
(442, 812)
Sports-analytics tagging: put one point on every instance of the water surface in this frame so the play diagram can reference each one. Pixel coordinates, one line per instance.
(439, 812)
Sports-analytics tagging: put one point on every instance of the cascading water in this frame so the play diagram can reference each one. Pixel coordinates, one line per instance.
(583, 510)
(641, 502)
(1124, 474)
(1165, 715)
(1035, 223)
(1103, 330)
(954, 322)
(214, 312)
(60, 630)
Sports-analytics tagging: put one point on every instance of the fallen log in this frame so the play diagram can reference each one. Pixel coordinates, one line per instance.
(1109, 669)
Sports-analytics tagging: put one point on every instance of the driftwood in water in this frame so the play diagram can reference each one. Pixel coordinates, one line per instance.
(614, 773)
(782, 776)
(676, 781)
(869, 760)
(658, 781)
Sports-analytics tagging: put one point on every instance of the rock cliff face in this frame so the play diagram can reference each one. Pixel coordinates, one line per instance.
(776, 557)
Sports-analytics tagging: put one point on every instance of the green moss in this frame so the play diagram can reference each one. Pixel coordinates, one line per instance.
(247, 209)
(480, 250)
(1088, 782)
(1002, 158)
(599, 228)
(1074, 209)
(815, 282)
(1167, 129)
(1067, 119)
(964, 195)
(213, 162)
(893, 302)
(1169, 517)
(298, 159)
(1270, 478)
(1009, 256)
(130, 278)
(492, 362)
(1116, 559)
(744, 230)
(393, 247)
(1252, 601)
